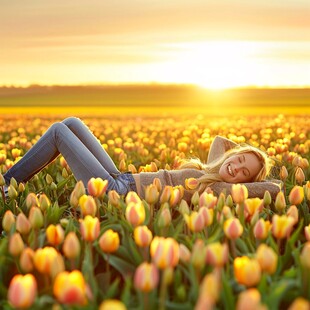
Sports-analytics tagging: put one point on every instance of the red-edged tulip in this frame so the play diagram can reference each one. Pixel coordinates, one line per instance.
(296, 195)
(97, 187)
(90, 228)
(146, 277)
(71, 246)
(55, 234)
(142, 236)
(233, 228)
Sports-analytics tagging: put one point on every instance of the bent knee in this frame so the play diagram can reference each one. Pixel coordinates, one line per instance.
(72, 121)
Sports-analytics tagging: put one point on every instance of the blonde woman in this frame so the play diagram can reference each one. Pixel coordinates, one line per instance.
(227, 162)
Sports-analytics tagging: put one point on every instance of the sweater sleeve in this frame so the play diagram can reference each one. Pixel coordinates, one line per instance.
(218, 147)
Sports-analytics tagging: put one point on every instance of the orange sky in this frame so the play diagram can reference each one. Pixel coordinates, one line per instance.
(213, 43)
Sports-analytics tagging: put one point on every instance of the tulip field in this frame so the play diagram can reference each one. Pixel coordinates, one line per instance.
(64, 245)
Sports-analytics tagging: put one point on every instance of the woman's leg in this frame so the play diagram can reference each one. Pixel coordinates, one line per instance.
(90, 141)
(60, 139)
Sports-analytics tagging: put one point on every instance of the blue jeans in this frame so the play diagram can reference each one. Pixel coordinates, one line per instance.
(84, 154)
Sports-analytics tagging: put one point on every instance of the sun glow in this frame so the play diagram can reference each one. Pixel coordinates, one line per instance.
(217, 64)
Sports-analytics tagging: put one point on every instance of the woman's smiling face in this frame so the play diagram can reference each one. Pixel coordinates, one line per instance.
(240, 168)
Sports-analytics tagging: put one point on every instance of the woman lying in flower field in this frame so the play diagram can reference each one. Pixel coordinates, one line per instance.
(227, 162)
(67, 247)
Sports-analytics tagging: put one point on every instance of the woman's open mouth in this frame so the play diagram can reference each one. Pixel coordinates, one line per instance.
(229, 170)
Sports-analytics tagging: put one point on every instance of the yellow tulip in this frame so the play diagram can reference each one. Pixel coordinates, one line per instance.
(112, 304)
(109, 241)
(135, 213)
(90, 228)
(55, 234)
(296, 195)
(142, 236)
(282, 226)
(239, 193)
(97, 187)
(217, 254)
(267, 258)
(247, 271)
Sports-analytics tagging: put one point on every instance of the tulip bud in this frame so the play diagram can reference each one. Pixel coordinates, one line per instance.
(307, 232)
(8, 221)
(16, 244)
(239, 193)
(280, 203)
(114, 198)
(13, 183)
(307, 190)
(22, 291)
(70, 288)
(132, 197)
(198, 258)
(229, 201)
(195, 199)
(185, 254)
(71, 246)
(267, 198)
(261, 229)
(43, 259)
(132, 168)
(233, 228)
(74, 199)
(44, 202)
(32, 200)
(183, 207)
(55, 234)
(146, 277)
(158, 185)
(247, 271)
(305, 256)
(90, 228)
(299, 175)
(26, 260)
(2, 180)
(296, 195)
(22, 224)
(293, 213)
(12, 193)
(217, 254)
(53, 186)
(207, 215)
(267, 258)
(151, 194)
(283, 173)
(36, 218)
(97, 187)
(176, 195)
(88, 205)
(109, 241)
(142, 236)
(21, 187)
(166, 194)
(164, 219)
(49, 179)
(210, 287)
(79, 189)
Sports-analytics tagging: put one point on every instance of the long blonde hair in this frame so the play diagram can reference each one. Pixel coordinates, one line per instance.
(212, 169)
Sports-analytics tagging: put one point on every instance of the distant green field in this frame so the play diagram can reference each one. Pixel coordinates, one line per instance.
(148, 98)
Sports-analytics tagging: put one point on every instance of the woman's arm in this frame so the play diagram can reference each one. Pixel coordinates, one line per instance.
(218, 147)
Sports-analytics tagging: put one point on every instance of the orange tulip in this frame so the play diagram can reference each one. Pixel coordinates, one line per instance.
(252, 206)
(282, 226)
(296, 195)
(142, 236)
(164, 252)
(300, 303)
(90, 228)
(217, 254)
(44, 259)
(176, 195)
(239, 193)
(70, 288)
(97, 187)
(8, 220)
(208, 215)
(109, 241)
(261, 229)
(305, 255)
(250, 299)
(88, 205)
(191, 183)
(22, 291)
(293, 213)
(299, 175)
(26, 260)
(55, 234)
(207, 200)
(195, 221)
(71, 246)
(146, 277)
(112, 304)
(267, 258)
(283, 173)
(22, 224)
(166, 194)
(135, 213)
(233, 228)
(247, 271)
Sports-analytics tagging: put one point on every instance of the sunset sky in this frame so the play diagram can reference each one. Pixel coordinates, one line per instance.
(212, 43)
